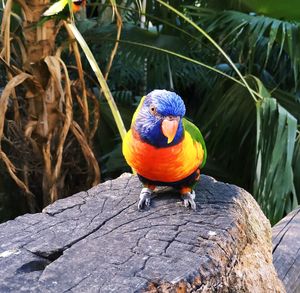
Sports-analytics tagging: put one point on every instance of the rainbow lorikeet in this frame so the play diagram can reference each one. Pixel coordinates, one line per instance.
(60, 5)
(164, 148)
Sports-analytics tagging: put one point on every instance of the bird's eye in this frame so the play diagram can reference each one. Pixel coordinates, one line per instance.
(153, 110)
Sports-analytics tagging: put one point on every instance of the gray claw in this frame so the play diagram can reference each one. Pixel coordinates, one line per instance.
(188, 199)
(145, 198)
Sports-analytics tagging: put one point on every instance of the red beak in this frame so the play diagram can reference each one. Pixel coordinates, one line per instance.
(169, 127)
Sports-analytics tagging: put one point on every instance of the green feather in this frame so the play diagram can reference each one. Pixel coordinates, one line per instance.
(196, 135)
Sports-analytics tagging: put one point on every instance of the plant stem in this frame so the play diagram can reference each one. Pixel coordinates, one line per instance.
(105, 89)
(212, 41)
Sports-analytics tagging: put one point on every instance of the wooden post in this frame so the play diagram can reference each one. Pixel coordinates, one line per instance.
(98, 241)
(286, 251)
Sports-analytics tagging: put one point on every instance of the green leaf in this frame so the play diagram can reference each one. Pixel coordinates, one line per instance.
(289, 9)
(103, 84)
(296, 167)
(272, 37)
(256, 40)
(273, 184)
(211, 40)
(227, 117)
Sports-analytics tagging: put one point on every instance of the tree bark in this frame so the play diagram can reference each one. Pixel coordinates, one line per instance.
(286, 251)
(97, 241)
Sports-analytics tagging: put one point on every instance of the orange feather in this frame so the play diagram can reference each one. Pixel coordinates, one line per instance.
(169, 164)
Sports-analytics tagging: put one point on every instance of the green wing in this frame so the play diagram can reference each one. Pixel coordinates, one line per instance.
(195, 133)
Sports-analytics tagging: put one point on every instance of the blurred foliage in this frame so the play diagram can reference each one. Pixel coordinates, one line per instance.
(45, 127)
(250, 142)
(253, 143)
(12, 203)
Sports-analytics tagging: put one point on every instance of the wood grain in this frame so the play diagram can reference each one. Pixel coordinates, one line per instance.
(98, 241)
(286, 251)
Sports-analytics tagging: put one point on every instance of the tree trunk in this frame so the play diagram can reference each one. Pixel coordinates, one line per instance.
(286, 250)
(224, 246)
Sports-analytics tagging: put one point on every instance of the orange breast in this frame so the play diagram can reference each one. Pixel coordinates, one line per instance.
(168, 164)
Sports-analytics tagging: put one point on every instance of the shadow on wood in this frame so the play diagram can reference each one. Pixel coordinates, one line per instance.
(97, 241)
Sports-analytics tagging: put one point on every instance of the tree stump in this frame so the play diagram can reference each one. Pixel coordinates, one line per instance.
(97, 241)
(286, 251)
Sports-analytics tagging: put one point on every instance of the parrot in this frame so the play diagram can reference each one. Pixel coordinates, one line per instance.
(59, 6)
(164, 148)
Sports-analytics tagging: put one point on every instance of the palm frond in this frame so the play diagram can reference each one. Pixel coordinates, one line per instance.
(296, 166)
(276, 8)
(227, 119)
(253, 38)
(274, 182)
(100, 77)
(138, 45)
(207, 36)
(237, 128)
(291, 102)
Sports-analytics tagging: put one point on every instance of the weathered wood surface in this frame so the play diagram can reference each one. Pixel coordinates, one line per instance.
(286, 251)
(97, 241)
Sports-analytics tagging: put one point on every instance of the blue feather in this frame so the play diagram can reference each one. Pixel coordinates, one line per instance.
(149, 126)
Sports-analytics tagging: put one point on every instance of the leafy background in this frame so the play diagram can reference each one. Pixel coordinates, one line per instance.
(252, 138)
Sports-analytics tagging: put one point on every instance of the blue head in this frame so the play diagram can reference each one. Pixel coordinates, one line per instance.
(159, 119)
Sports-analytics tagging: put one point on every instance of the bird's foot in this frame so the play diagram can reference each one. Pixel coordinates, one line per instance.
(188, 199)
(145, 198)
